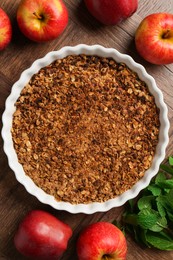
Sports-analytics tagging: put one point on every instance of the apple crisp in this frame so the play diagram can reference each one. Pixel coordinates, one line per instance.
(85, 128)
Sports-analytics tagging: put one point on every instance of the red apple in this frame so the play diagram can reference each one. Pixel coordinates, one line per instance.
(101, 241)
(42, 20)
(154, 38)
(111, 12)
(5, 30)
(42, 236)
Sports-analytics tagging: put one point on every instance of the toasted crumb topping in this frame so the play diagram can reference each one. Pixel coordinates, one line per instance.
(85, 128)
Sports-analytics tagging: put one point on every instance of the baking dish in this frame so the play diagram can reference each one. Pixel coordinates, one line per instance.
(10, 109)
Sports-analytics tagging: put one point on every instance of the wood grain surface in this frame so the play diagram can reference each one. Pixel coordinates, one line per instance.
(15, 202)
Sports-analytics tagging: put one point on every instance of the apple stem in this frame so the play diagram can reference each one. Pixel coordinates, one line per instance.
(38, 16)
(107, 257)
(166, 34)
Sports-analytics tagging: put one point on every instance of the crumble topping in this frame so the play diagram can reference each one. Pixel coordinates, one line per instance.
(85, 128)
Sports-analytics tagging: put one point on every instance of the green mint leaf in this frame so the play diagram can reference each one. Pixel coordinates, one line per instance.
(136, 233)
(160, 225)
(145, 202)
(156, 228)
(166, 202)
(131, 204)
(166, 184)
(155, 190)
(143, 237)
(169, 198)
(170, 216)
(166, 190)
(152, 224)
(162, 199)
(166, 234)
(131, 219)
(147, 218)
(167, 168)
(160, 177)
(170, 161)
(159, 240)
(160, 209)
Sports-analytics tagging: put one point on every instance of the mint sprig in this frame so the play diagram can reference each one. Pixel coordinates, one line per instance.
(149, 218)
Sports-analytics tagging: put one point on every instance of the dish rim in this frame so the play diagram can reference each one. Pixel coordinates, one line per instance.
(17, 168)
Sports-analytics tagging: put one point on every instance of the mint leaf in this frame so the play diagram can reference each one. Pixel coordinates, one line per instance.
(138, 234)
(166, 190)
(143, 237)
(160, 209)
(166, 203)
(169, 199)
(155, 190)
(170, 161)
(160, 225)
(166, 184)
(131, 204)
(130, 219)
(162, 199)
(170, 216)
(150, 220)
(160, 177)
(147, 218)
(167, 168)
(145, 202)
(159, 240)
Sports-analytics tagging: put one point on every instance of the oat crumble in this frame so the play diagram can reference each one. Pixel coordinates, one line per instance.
(85, 128)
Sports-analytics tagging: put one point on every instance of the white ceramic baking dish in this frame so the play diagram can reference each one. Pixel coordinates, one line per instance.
(10, 109)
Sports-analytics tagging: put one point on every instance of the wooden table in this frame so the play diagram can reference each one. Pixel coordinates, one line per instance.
(15, 202)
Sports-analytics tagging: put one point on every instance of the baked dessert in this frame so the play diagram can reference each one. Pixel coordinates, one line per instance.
(85, 128)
